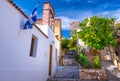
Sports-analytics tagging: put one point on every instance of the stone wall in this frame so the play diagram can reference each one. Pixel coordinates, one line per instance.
(116, 63)
(115, 59)
(92, 74)
(105, 54)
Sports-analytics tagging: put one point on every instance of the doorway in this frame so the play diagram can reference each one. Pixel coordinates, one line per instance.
(50, 61)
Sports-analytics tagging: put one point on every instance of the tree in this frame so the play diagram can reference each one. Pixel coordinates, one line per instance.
(68, 44)
(74, 27)
(97, 32)
(64, 43)
(72, 44)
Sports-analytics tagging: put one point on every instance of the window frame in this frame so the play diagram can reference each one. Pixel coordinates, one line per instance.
(33, 46)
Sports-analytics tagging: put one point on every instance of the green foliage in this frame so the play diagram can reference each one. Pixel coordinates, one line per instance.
(97, 32)
(82, 59)
(97, 62)
(74, 38)
(68, 44)
(64, 43)
(76, 57)
(72, 44)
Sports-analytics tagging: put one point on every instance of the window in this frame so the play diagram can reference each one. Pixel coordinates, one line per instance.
(33, 47)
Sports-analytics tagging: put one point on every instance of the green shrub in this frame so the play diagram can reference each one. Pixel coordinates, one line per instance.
(83, 60)
(76, 56)
(97, 62)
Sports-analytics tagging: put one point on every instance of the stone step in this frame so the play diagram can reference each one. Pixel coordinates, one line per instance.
(70, 79)
(63, 79)
(67, 72)
(66, 67)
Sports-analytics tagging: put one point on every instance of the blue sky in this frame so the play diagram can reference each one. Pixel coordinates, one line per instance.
(74, 10)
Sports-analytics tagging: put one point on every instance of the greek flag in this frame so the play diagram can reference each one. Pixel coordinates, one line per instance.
(31, 20)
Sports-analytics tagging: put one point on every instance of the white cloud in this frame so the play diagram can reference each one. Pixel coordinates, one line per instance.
(77, 16)
(81, 15)
(105, 13)
(66, 22)
(90, 1)
(116, 13)
(104, 5)
(113, 13)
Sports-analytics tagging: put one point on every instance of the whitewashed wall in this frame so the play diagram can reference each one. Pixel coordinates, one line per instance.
(15, 62)
(54, 42)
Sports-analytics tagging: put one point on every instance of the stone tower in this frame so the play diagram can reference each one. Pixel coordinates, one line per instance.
(48, 15)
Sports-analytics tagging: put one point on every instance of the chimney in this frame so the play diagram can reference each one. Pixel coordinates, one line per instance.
(48, 15)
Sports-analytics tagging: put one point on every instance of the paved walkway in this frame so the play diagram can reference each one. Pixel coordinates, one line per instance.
(70, 71)
(66, 73)
(68, 60)
(112, 72)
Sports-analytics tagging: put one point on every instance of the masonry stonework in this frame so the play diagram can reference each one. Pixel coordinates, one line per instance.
(93, 74)
(48, 15)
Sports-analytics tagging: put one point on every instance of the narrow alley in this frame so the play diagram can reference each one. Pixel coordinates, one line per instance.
(69, 71)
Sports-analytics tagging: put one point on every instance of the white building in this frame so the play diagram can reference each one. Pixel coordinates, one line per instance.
(27, 55)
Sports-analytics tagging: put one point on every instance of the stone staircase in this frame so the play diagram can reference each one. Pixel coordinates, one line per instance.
(66, 73)
(112, 72)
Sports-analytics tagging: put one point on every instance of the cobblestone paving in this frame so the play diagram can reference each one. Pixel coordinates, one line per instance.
(66, 73)
(68, 60)
(69, 72)
(112, 72)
